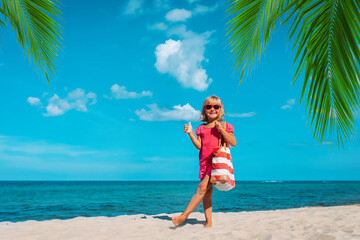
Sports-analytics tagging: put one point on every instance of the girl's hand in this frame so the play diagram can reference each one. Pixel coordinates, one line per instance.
(188, 128)
(218, 125)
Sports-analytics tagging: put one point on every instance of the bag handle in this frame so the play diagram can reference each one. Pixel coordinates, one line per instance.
(224, 125)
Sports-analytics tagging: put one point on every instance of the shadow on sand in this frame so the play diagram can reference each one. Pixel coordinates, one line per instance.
(191, 221)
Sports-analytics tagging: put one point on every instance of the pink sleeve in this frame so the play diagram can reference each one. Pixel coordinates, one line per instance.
(198, 130)
(229, 127)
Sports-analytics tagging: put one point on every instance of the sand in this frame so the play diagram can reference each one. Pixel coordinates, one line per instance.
(325, 223)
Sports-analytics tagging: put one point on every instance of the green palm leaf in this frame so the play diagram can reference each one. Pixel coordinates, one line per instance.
(328, 48)
(36, 30)
(327, 51)
(2, 24)
(250, 29)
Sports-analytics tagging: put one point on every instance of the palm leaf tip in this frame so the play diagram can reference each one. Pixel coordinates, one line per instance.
(249, 29)
(35, 23)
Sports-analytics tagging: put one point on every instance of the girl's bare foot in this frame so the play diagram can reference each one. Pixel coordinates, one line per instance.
(208, 225)
(178, 220)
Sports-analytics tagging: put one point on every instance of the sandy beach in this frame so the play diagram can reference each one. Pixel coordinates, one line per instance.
(311, 223)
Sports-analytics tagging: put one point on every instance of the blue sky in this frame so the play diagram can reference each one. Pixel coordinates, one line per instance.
(130, 75)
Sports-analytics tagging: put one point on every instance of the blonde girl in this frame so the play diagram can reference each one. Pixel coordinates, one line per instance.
(212, 114)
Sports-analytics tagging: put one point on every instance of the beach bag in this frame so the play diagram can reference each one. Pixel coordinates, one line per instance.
(222, 173)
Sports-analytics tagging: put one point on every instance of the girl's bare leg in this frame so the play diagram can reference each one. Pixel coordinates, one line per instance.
(207, 203)
(202, 188)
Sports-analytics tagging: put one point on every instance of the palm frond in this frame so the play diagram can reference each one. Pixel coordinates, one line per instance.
(327, 52)
(250, 28)
(33, 22)
(328, 48)
(2, 23)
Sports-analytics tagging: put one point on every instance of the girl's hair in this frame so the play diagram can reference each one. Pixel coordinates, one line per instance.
(212, 99)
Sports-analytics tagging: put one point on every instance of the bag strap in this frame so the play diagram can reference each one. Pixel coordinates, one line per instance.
(219, 145)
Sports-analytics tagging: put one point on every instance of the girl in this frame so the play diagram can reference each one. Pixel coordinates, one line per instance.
(207, 138)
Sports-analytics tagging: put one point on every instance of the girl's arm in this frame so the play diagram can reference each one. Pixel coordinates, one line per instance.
(228, 136)
(195, 141)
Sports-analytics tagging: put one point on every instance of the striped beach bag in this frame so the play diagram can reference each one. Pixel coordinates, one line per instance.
(222, 173)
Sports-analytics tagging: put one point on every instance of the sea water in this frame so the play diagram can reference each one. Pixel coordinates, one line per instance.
(44, 200)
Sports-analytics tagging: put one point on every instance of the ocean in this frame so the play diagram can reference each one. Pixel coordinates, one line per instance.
(45, 200)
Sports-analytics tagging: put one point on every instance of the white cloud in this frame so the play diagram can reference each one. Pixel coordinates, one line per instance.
(178, 113)
(202, 9)
(241, 115)
(183, 58)
(92, 96)
(34, 101)
(134, 7)
(120, 92)
(76, 100)
(178, 15)
(158, 26)
(192, 1)
(56, 106)
(289, 104)
(291, 101)
(161, 4)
